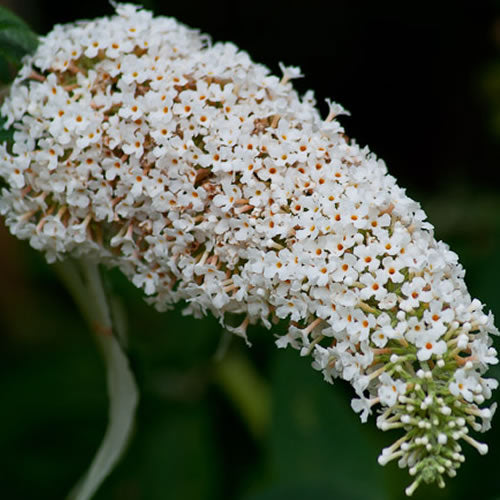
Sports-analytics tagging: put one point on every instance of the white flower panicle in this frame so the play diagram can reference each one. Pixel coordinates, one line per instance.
(208, 180)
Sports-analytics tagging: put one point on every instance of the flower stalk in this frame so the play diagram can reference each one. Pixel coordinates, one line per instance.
(83, 280)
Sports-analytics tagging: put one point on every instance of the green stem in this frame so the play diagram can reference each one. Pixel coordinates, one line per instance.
(83, 280)
(246, 389)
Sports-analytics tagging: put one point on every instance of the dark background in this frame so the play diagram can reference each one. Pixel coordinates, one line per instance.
(422, 81)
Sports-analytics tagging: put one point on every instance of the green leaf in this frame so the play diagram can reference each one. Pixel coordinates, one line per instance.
(16, 38)
(175, 455)
(317, 439)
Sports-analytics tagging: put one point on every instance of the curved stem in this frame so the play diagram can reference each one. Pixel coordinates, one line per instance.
(246, 390)
(83, 280)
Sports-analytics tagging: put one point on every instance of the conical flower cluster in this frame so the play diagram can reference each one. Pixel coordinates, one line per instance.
(210, 181)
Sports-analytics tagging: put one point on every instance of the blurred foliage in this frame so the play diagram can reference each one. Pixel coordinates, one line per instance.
(16, 40)
(289, 435)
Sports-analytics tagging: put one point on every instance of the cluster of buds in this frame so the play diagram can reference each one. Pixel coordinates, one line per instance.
(207, 180)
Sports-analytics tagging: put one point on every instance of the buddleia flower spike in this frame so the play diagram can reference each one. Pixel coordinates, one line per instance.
(208, 180)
